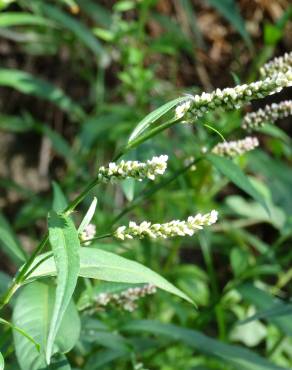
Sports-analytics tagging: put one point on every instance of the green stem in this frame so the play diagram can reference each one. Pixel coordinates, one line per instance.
(97, 238)
(19, 278)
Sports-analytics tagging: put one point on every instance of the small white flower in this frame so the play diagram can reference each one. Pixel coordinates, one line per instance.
(183, 108)
(235, 148)
(88, 233)
(166, 230)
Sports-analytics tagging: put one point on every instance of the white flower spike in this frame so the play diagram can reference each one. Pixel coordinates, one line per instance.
(134, 169)
(235, 148)
(270, 113)
(166, 230)
(281, 64)
(234, 97)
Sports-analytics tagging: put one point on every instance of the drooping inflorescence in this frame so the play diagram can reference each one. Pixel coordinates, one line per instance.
(281, 64)
(166, 230)
(126, 299)
(134, 169)
(235, 148)
(277, 75)
(270, 113)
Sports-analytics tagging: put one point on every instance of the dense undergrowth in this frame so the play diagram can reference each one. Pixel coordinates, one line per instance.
(145, 178)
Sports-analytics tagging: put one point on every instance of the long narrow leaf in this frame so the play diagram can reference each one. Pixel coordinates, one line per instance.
(154, 116)
(28, 84)
(65, 245)
(9, 19)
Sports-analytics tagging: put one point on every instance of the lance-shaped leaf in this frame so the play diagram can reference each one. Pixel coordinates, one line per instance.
(102, 265)
(154, 116)
(65, 245)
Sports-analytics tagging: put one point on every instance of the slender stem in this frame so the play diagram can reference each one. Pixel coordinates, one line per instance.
(97, 238)
(19, 278)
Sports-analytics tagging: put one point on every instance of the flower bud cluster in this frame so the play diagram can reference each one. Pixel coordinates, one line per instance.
(88, 233)
(269, 113)
(235, 97)
(127, 299)
(166, 230)
(137, 170)
(281, 64)
(235, 148)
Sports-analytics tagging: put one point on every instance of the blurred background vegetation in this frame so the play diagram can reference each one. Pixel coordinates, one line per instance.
(75, 79)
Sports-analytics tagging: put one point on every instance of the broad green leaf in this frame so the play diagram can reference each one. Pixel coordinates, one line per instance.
(235, 175)
(102, 265)
(32, 312)
(65, 246)
(9, 242)
(9, 19)
(28, 84)
(59, 199)
(88, 217)
(240, 358)
(264, 302)
(83, 33)
(230, 10)
(1, 362)
(154, 116)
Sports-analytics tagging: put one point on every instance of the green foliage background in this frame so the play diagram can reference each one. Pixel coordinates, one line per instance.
(76, 78)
